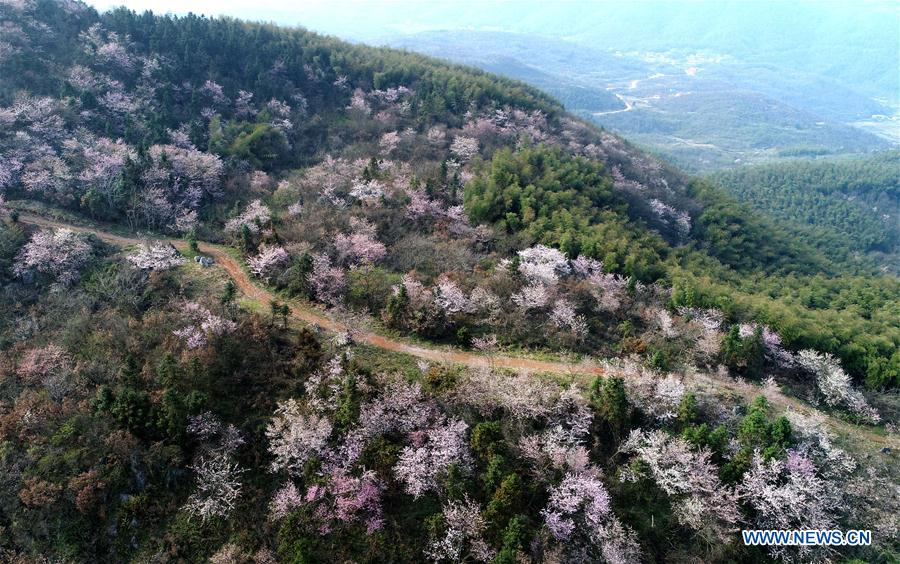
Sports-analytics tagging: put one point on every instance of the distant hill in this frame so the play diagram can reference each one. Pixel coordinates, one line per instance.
(848, 204)
(700, 110)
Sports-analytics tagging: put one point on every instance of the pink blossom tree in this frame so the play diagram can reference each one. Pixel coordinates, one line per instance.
(285, 501)
(578, 514)
(203, 324)
(360, 247)
(563, 316)
(389, 142)
(328, 282)
(255, 214)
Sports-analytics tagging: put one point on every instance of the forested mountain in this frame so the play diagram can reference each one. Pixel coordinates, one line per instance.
(702, 110)
(849, 205)
(542, 344)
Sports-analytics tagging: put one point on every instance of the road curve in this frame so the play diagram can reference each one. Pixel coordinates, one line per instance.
(309, 315)
(744, 389)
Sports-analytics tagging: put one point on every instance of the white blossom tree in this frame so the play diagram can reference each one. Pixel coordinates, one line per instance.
(463, 539)
(543, 265)
(700, 501)
(464, 148)
(267, 263)
(255, 214)
(790, 494)
(295, 437)
(217, 487)
(421, 465)
(60, 255)
(835, 384)
(155, 256)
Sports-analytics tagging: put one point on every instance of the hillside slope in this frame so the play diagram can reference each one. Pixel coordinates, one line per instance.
(850, 205)
(457, 234)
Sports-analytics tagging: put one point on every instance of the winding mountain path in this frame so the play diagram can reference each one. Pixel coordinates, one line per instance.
(309, 315)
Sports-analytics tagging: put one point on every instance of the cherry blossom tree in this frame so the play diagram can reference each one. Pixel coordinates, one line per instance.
(423, 207)
(701, 501)
(610, 290)
(103, 162)
(835, 384)
(357, 498)
(401, 408)
(285, 501)
(585, 267)
(464, 148)
(436, 136)
(531, 297)
(295, 209)
(543, 265)
(360, 246)
(218, 483)
(50, 177)
(553, 450)
(563, 316)
(774, 351)
(213, 91)
(359, 103)
(59, 255)
(203, 324)
(578, 514)
(295, 438)
(270, 259)
(369, 192)
(155, 256)
(242, 107)
(255, 214)
(217, 487)
(389, 142)
(520, 395)
(463, 538)
(577, 497)
(281, 113)
(790, 494)
(197, 175)
(328, 282)
(450, 298)
(423, 463)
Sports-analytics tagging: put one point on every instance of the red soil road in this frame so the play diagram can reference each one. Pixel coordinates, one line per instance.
(709, 382)
(309, 315)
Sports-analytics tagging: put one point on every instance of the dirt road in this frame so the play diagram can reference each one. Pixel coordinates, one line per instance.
(307, 314)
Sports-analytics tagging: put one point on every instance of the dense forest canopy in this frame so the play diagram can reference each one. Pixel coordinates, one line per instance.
(846, 206)
(158, 405)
